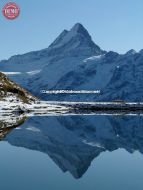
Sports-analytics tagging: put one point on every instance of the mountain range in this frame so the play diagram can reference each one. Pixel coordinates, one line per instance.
(74, 62)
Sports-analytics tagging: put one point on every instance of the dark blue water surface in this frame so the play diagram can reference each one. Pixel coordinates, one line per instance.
(74, 153)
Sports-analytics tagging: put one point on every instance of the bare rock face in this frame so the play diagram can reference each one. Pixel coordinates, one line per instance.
(10, 91)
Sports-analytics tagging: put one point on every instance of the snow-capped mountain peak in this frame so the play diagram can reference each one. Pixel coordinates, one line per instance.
(76, 39)
(66, 35)
(79, 29)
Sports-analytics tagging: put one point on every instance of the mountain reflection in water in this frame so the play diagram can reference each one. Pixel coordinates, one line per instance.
(72, 142)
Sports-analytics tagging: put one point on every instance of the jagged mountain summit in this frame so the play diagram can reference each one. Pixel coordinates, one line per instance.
(74, 62)
(76, 42)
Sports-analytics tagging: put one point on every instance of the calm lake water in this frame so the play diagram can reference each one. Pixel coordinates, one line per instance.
(74, 153)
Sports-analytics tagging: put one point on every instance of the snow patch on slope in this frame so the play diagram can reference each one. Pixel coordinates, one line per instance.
(97, 57)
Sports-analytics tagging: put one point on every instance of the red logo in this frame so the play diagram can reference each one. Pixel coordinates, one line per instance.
(11, 11)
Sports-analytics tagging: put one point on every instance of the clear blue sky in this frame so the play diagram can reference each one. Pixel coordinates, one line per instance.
(113, 24)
